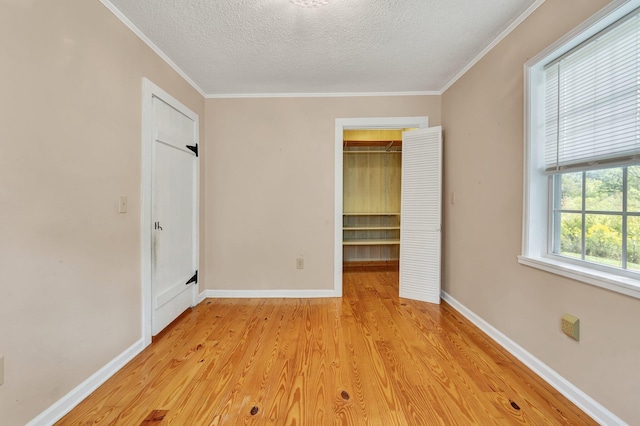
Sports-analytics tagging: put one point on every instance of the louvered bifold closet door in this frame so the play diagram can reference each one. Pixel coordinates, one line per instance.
(421, 214)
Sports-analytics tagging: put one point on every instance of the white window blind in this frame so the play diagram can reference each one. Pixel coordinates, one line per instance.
(592, 101)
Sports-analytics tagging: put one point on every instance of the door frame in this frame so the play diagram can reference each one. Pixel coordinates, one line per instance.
(367, 123)
(149, 91)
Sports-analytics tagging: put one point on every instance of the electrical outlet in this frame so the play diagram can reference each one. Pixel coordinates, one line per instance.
(453, 197)
(1, 369)
(571, 326)
(300, 263)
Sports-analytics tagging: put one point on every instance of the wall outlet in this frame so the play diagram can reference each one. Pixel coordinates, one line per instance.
(300, 263)
(1, 369)
(571, 326)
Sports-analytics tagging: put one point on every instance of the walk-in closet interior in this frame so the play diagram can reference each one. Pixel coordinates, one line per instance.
(372, 170)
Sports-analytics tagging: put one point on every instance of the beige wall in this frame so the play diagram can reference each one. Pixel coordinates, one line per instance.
(69, 263)
(70, 129)
(483, 123)
(270, 186)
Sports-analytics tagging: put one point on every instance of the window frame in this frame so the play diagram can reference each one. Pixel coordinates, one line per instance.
(538, 235)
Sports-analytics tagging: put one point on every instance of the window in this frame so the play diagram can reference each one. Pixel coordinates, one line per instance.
(582, 180)
(596, 216)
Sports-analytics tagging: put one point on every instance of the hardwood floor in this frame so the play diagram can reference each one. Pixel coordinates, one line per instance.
(369, 358)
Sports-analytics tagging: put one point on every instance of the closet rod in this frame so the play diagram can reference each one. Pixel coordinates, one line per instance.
(372, 143)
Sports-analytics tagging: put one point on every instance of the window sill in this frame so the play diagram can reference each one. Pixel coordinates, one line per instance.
(616, 283)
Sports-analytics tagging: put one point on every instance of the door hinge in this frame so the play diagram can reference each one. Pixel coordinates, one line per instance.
(193, 279)
(193, 148)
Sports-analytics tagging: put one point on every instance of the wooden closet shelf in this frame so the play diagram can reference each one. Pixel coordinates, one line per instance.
(372, 152)
(371, 242)
(371, 214)
(369, 228)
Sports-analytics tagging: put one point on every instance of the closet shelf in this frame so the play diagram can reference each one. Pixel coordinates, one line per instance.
(371, 214)
(372, 152)
(369, 228)
(370, 242)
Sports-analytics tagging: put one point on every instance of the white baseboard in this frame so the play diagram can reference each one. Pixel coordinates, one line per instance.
(590, 406)
(271, 294)
(84, 389)
(201, 297)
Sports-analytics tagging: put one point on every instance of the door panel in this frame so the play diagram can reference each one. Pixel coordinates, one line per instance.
(174, 207)
(421, 214)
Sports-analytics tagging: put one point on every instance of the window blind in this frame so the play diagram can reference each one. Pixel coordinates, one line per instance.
(592, 101)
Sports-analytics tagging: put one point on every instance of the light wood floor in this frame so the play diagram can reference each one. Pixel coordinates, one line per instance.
(369, 358)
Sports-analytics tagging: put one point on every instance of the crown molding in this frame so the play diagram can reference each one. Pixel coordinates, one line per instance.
(493, 44)
(149, 43)
(188, 79)
(319, 95)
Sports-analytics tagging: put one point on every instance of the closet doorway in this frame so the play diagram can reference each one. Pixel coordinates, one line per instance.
(386, 215)
(355, 124)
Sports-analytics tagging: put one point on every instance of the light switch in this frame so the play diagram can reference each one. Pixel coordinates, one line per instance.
(122, 205)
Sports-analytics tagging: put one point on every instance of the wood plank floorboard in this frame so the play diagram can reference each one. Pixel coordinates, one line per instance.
(369, 358)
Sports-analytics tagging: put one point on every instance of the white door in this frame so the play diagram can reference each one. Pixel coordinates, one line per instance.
(421, 214)
(174, 215)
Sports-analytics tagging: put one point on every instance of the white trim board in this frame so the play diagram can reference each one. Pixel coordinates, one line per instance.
(590, 406)
(65, 404)
(201, 297)
(270, 294)
(321, 95)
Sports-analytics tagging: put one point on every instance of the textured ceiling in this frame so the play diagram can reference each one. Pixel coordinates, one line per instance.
(242, 47)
